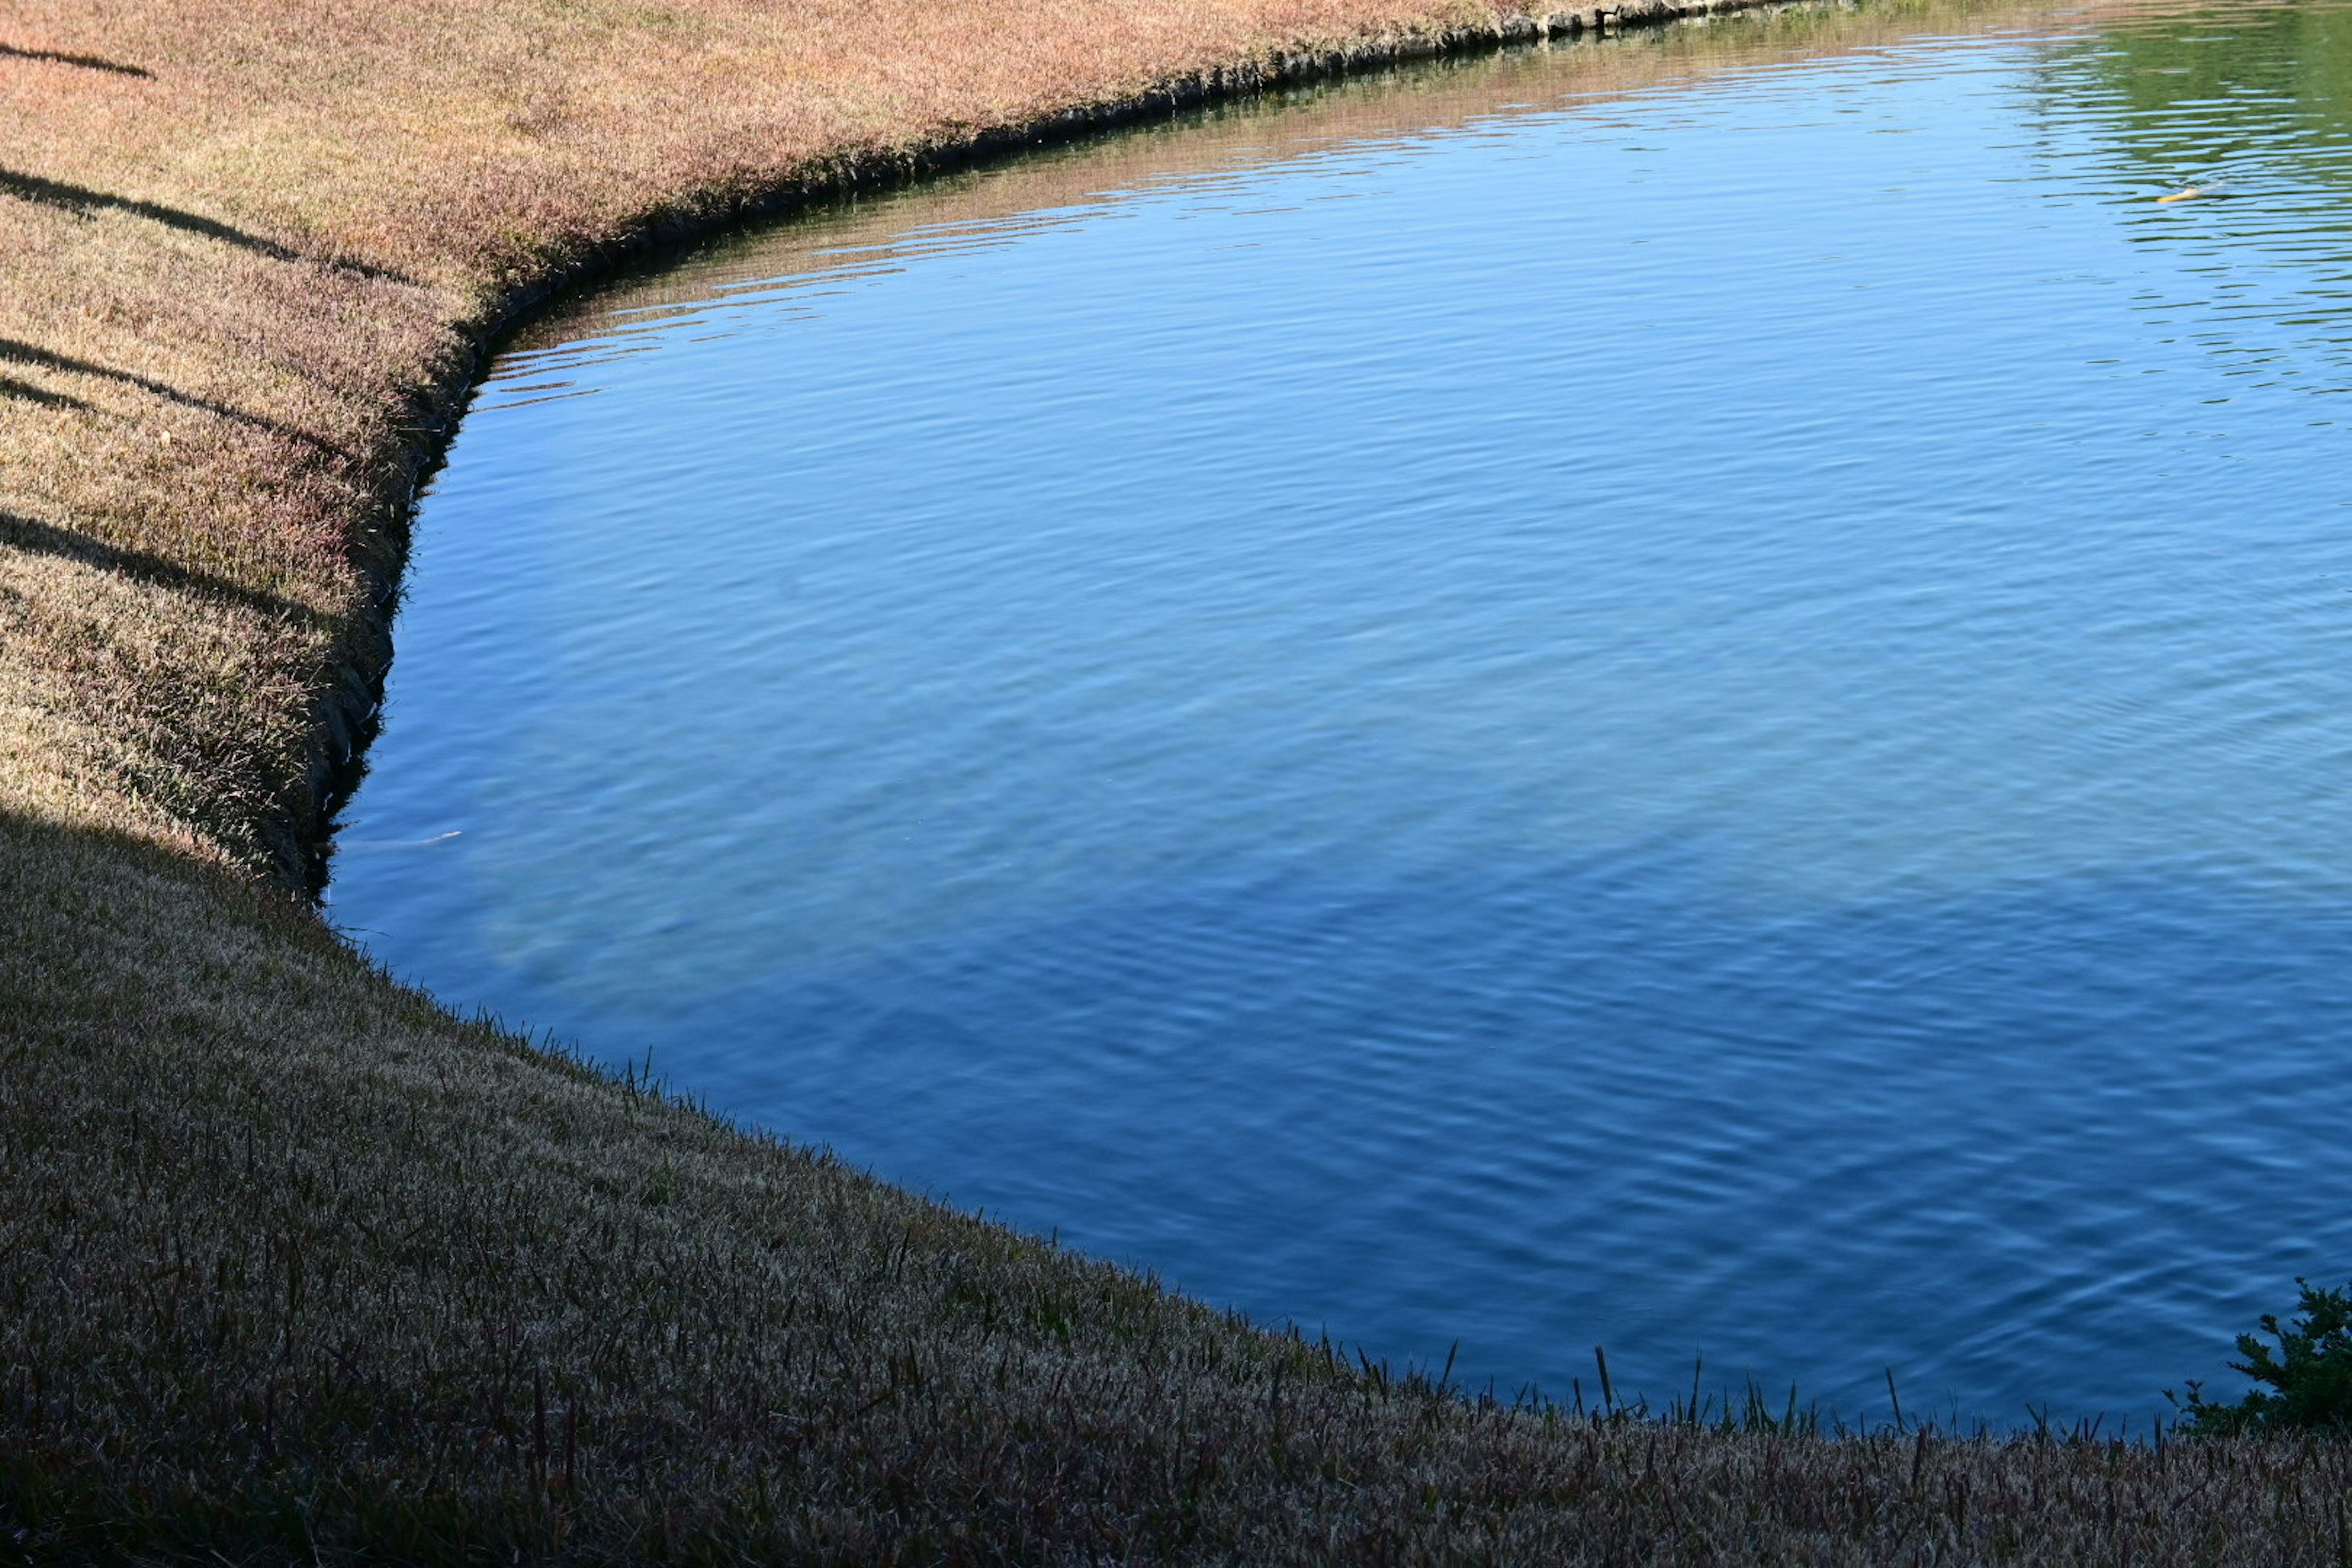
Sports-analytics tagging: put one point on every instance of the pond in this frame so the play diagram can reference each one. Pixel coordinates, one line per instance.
(1690, 693)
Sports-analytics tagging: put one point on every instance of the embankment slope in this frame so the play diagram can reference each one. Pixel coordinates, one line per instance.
(296, 1263)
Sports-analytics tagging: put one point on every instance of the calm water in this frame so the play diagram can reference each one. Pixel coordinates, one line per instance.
(1693, 694)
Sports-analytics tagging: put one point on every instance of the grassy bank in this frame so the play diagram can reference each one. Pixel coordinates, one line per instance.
(296, 1264)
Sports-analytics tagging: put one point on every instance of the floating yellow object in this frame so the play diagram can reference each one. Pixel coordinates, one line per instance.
(2182, 195)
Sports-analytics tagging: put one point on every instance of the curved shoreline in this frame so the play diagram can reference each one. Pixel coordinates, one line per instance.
(347, 720)
(307, 1267)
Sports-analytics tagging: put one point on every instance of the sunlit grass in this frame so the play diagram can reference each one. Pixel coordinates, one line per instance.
(295, 1263)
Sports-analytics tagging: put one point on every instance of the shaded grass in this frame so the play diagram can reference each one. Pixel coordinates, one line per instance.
(88, 62)
(303, 1266)
(296, 1264)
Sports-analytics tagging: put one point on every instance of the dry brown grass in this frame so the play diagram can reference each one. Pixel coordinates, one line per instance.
(296, 1264)
(241, 268)
(299, 1267)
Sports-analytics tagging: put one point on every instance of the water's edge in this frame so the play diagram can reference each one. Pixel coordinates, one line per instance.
(350, 710)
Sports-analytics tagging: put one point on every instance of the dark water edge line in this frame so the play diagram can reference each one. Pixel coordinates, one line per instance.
(349, 713)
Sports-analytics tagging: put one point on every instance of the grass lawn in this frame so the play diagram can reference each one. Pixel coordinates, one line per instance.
(296, 1264)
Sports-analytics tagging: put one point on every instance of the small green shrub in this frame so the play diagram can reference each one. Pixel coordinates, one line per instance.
(2305, 1386)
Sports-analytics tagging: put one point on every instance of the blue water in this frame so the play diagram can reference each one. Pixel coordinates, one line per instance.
(1691, 694)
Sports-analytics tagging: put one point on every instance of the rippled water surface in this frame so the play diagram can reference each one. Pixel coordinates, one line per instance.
(1692, 693)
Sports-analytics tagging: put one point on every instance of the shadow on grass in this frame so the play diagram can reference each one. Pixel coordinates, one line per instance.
(266, 1306)
(26, 391)
(61, 58)
(13, 352)
(84, 201)
(46, 539)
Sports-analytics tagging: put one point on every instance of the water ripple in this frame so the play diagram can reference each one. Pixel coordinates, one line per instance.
(1707, 715)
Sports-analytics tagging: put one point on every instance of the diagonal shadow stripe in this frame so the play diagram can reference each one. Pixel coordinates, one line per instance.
(61, 58)
(46, 539)
(84, 201)
(26, 391)
(13, 352)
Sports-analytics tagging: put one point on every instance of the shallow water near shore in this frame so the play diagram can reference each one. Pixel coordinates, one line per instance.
(1692, 693)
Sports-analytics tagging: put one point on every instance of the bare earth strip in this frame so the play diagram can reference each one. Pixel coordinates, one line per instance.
(296, 1264)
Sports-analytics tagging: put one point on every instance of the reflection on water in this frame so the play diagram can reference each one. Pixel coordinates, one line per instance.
(2254, 112)
(1689, 694)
